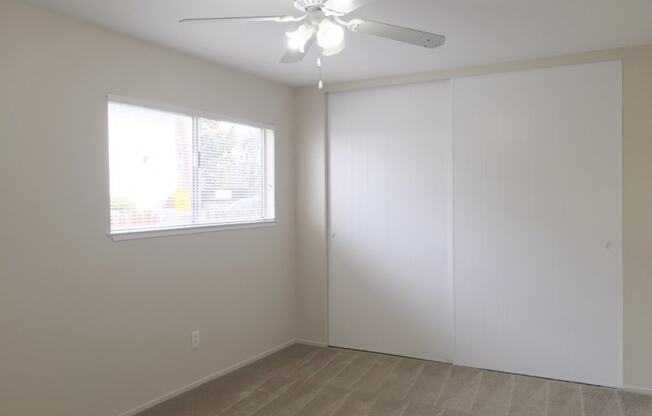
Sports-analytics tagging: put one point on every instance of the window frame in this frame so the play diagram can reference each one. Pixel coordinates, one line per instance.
(269, 178)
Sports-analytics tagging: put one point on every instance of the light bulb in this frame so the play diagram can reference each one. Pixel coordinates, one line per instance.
(334, 51)
(298, 39)
(330, 37)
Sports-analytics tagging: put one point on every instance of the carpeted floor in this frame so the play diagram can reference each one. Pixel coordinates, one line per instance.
(310, 381)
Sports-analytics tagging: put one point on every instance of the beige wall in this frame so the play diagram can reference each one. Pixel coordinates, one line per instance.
(93, 327)
(312, 266)
(637, 221)
(637, 67)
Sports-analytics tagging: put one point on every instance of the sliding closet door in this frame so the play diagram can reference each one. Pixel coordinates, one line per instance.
(390, 220)
(538, 222)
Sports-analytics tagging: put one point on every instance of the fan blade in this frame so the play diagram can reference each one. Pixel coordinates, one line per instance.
(293, 56)
(345, 6)
(280, 19)
(399, 33)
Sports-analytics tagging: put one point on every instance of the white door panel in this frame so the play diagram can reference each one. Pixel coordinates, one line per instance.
(536, 161)
(390, 220)
(538, 281)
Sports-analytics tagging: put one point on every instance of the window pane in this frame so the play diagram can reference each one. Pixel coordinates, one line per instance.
(231, 172)
(151, 168)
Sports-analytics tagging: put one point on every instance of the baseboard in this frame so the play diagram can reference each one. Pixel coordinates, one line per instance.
(311, 342)
(640, 390)
(207, 379)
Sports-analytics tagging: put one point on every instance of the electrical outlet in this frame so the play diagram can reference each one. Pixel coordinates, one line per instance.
(195, 340)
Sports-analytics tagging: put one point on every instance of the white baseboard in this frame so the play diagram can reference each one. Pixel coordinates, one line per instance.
(311, 342)
(207, 379)
(639, 390)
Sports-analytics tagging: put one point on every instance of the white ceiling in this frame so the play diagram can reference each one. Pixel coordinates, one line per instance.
(478, 32)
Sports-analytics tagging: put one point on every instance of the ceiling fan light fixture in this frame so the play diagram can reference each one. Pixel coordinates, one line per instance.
(330, 37)
(324, 23)
(298, 39)
(334, 51)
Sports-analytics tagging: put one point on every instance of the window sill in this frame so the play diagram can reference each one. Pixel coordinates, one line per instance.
(167, 232)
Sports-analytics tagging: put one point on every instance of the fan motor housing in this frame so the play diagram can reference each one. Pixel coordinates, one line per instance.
(304, 5)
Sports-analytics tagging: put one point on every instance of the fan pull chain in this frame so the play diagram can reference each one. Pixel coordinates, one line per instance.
(321, 83)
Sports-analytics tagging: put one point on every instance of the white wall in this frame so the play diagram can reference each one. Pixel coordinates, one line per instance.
(93, 327)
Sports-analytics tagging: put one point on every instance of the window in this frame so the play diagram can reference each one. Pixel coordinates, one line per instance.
(176, 170)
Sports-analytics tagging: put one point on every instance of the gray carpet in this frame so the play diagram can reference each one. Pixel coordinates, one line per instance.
(309, 381)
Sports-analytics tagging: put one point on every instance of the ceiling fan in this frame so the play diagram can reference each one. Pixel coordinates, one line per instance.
(324, 22)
